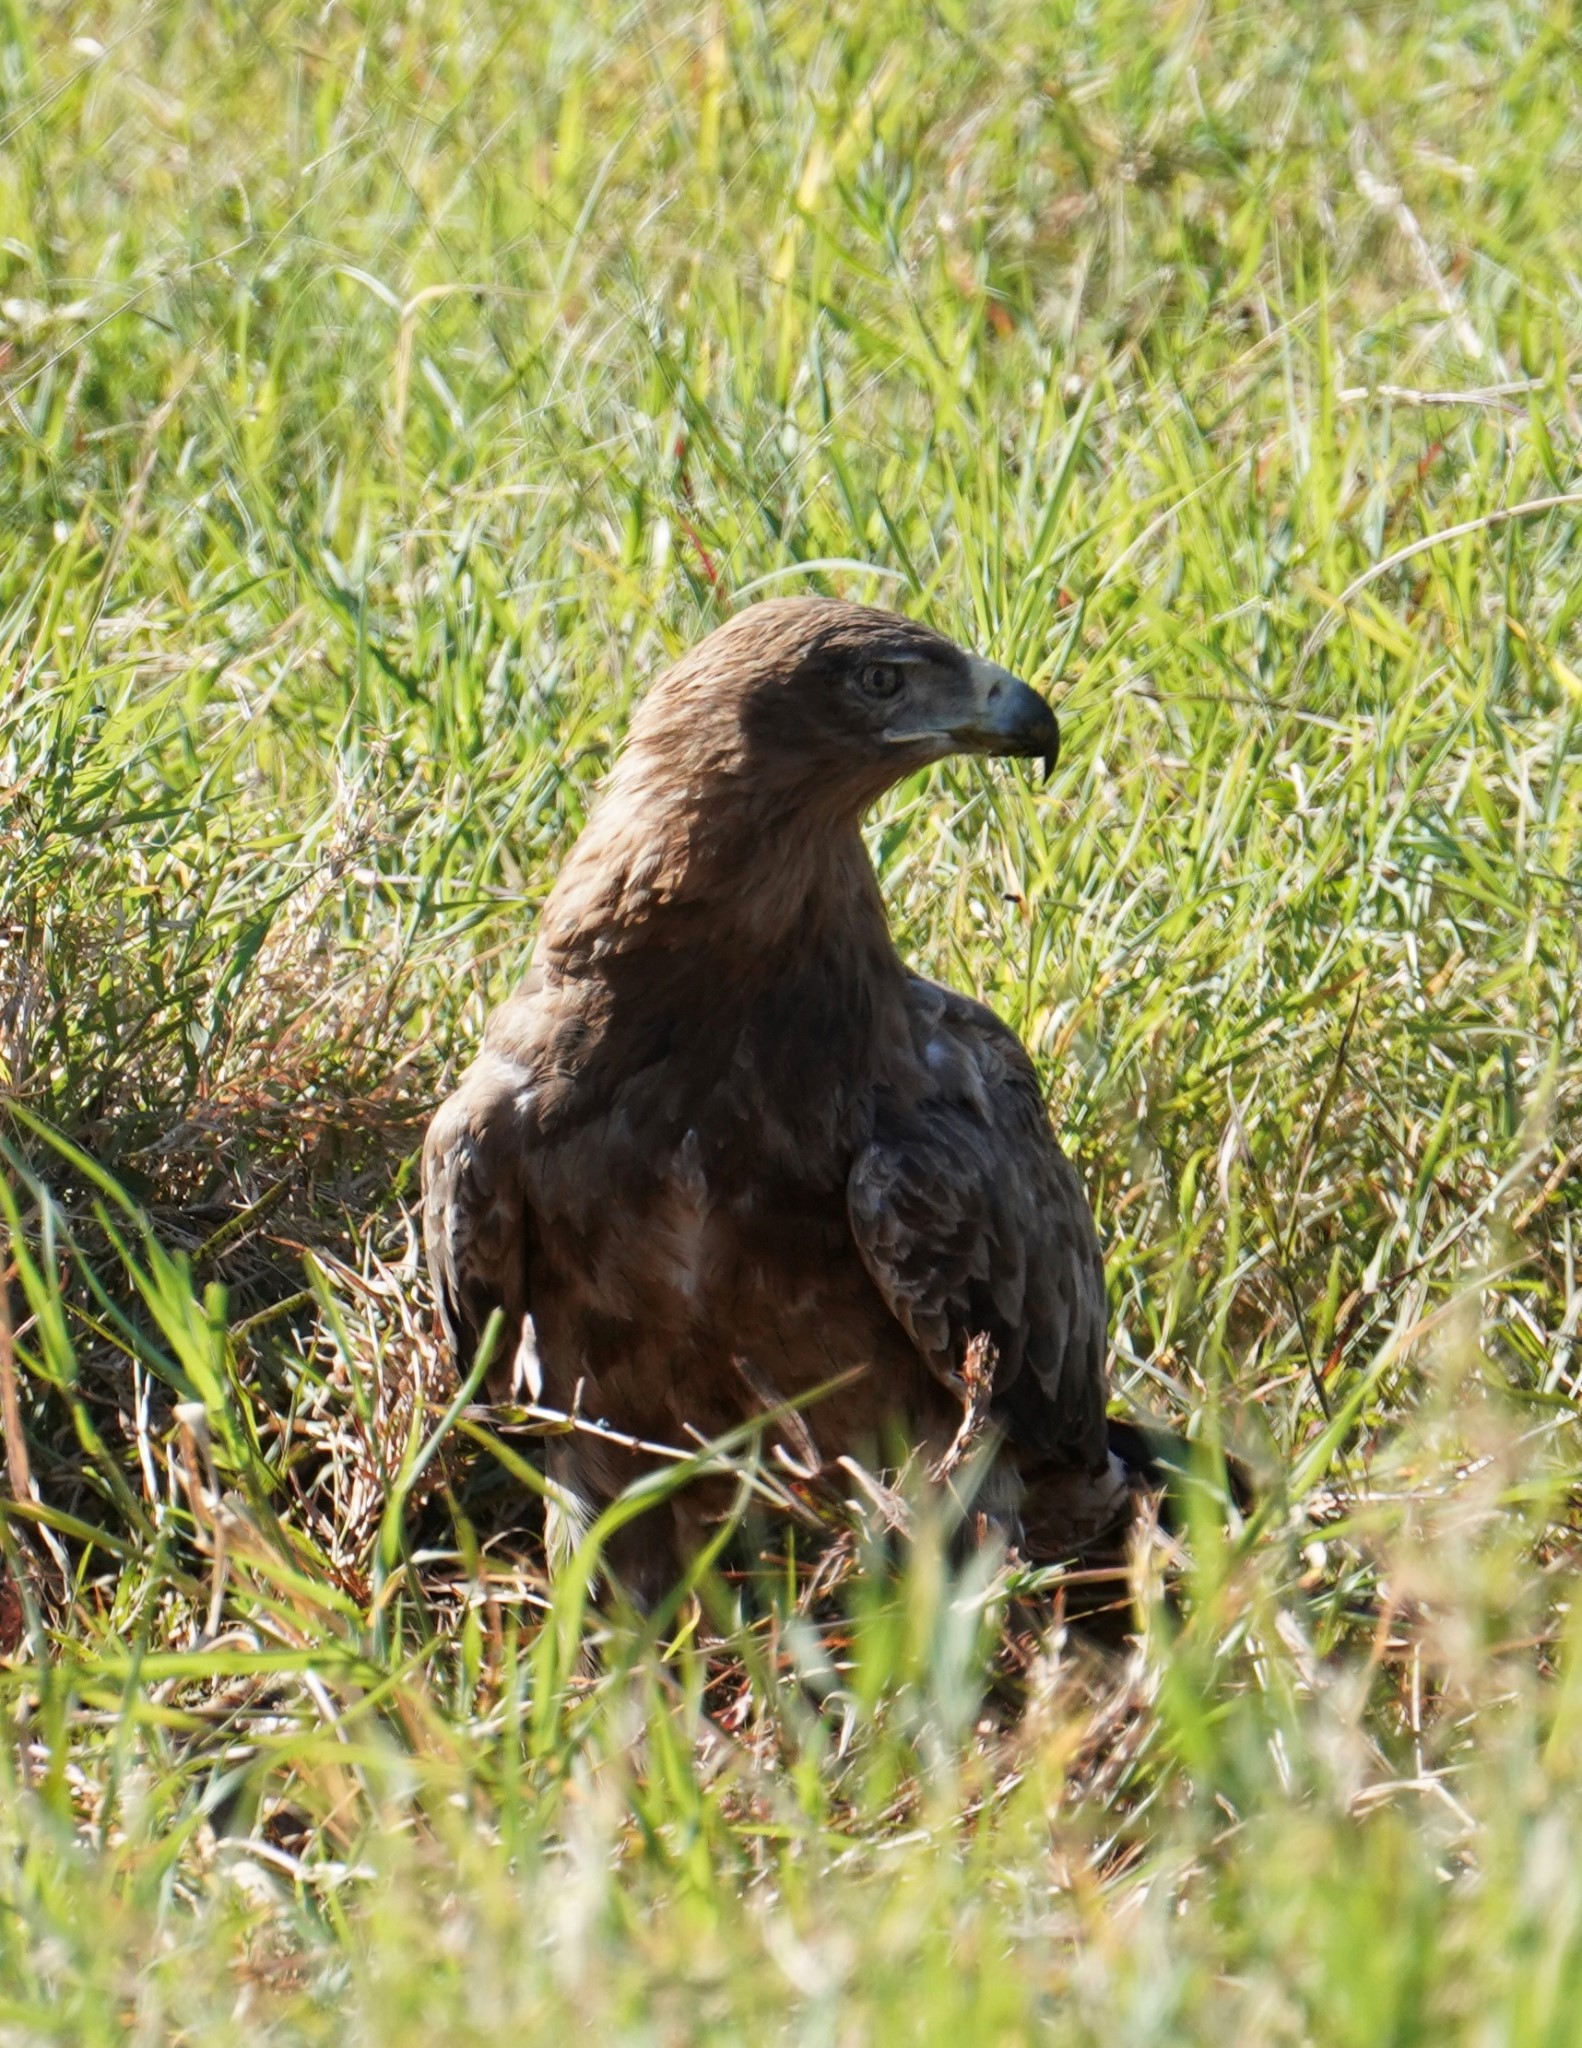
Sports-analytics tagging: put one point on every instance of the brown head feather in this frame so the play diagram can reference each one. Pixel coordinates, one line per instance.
(734, 806)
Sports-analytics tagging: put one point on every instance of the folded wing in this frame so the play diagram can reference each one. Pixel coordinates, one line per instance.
(971, 1221)
(476, 1224)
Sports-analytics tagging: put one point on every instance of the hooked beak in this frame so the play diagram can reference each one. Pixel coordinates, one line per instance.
(1006, 717)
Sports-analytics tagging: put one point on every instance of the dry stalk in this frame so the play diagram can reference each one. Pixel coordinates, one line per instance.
(977, 1377)
(202, 1487)
(19, 1477)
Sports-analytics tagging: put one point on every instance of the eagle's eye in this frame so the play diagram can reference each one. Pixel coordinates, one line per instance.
(880, 680)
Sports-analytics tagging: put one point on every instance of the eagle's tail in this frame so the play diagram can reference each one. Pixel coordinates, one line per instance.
(1087, 1516)
(1157, 1461)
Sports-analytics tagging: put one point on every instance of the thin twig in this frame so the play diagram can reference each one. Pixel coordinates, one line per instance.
(977, 1373)
(1498, 395)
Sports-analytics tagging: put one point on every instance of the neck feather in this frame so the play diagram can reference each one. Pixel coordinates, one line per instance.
(717, 867)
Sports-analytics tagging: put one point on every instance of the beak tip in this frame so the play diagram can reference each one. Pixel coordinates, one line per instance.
(1009, 718)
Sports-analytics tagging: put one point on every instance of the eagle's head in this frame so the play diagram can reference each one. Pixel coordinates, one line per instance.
(729, 823)
(827, 704)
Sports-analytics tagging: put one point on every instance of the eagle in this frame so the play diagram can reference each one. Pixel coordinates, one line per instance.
(723, 1147)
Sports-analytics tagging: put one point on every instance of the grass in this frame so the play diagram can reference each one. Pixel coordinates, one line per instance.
(384, 395)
